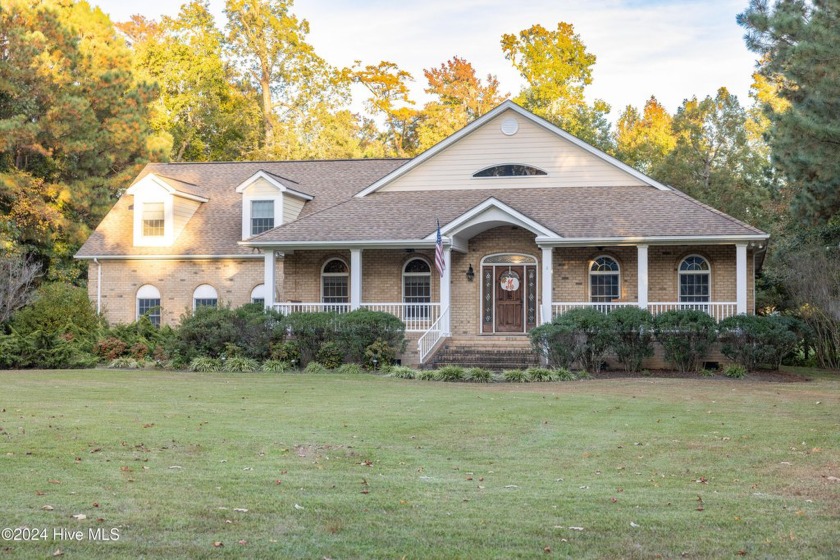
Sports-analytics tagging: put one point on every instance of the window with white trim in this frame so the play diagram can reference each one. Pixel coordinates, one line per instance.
(148, 304)
(258, 294)
(205, 296)
(153, 219)
(335, 282)
(510, 170)
(695, 280)
(262, 216)
(604, 280)
(417, 288)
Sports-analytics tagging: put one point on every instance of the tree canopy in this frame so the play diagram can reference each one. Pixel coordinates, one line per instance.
(800, 52)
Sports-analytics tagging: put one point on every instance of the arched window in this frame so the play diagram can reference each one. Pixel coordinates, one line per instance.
(695, 280)
(604, 280)
(335, 281)
(205, 296)
(509, 170)
(148, 303)
(258, 294)
(417, 288)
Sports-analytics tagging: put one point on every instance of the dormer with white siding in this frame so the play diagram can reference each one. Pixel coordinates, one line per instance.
(267, 202)
(162, 207)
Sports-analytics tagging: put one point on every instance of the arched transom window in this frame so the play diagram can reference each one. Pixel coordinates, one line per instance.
(148, 303)
(509, 170)
(695, 279)
(335, 282)
(417, 288)
(258, 294)
(205, 296)
(604, 280)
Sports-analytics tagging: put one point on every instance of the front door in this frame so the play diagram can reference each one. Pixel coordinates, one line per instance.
(509, 300)
(508, 294)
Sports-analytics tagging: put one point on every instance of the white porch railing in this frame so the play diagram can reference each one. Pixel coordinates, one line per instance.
(717, 310)
(287, 308)
(418, 317)
(431, 337)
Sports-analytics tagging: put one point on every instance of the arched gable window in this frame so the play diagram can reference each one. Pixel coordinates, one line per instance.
(604, 280)
(417, 288)
(148, 303)
(205, 296)
(695, 279)
(509, 170)
(258, 294)
(335, 282)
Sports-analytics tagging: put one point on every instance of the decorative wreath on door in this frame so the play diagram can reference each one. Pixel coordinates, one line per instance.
(509, 281)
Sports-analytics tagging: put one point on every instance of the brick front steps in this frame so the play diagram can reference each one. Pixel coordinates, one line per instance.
(495, 353)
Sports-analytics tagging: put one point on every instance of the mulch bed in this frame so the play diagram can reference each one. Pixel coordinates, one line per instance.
(759, 375)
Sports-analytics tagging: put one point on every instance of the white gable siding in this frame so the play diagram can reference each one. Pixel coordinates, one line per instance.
(291, 208)
(259, 188)
(566, 164)
(182, 210)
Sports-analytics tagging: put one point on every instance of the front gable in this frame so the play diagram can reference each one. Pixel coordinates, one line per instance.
(162, 207)
(285, 201)
(512, 138)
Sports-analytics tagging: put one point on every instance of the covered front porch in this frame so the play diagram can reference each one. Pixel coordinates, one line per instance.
(468, 300)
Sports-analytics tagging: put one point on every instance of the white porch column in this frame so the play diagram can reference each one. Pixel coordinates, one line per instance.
(355, 278)
(642, 273)
(547, 283)
(268, 278)
(741, 276)
(445, 291)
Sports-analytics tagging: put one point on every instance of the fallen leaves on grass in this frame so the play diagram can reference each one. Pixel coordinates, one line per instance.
(80, 517)
(47, 508)
(218, 544)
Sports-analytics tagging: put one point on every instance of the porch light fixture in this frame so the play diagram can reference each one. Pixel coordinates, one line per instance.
(470, 274)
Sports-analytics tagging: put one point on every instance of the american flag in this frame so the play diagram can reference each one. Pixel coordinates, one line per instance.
(440, 264)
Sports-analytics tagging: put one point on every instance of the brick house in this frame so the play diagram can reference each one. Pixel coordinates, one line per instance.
(533, 222)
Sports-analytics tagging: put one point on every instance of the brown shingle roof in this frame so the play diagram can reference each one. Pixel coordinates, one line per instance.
(585, 212)
(335, 215)
(216, 226)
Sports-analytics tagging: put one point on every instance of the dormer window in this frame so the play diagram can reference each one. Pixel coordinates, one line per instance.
(153, 219)
(510, 170)
(262, 216)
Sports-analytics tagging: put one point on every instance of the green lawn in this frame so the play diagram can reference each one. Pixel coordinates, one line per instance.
(347, 467)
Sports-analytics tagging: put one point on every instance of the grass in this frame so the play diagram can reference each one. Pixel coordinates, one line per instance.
(359, 466)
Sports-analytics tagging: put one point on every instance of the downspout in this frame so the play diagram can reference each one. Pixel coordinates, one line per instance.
(98, 285)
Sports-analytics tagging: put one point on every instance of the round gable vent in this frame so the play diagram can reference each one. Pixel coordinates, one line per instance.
(509, 126)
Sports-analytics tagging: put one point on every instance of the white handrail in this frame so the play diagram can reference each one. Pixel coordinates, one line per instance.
(431, 337)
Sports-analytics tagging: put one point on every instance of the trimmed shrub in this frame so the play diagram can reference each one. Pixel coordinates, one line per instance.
(360, 329)
(240, 364)
(631, 336)
(479, 375)
(110, 348)
(210, 331)
(310, 332)
(350, 369)
(753, 340)
(315, 367)
(379, 354)
(515, 376)
(735, 371)
(287, 351)
(539, 374)
(450, 373)
(57, 309)
(275, 366)
(329, 355)
(578, 336)
(205, 364)
(402, 372)
(686, 336)
(45, 351)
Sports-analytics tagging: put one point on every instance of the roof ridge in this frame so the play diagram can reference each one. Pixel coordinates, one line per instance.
(678, 192)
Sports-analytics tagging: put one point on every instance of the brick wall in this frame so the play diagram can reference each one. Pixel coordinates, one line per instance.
(176, 280)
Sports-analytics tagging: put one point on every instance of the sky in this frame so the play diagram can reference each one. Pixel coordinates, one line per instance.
(668, 48)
